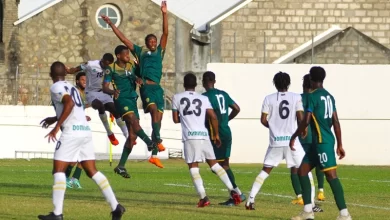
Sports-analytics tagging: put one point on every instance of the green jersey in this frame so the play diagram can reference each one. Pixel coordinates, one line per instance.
(122, 79)
(220, 101)
(150, 63)
(322, 105)
(308, 139)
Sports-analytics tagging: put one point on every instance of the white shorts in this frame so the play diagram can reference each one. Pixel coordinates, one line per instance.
(276, 154)
(103, 97)
(197, 150)
(74, 149)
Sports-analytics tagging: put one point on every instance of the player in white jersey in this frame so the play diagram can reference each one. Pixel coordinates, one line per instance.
(279, 113)
(191, 110)
(74, 145)
(96, 98)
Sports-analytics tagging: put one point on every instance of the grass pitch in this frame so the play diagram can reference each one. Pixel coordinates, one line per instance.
(168, 193)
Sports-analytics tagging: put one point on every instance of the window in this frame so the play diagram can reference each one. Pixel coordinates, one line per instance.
(112, 12)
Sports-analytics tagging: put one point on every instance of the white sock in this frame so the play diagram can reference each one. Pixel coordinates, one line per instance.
(123, 127)
(238, 190)
(344, 212)
(106, 189)
(221, 173)
(103, 118)
(313, 189)
(59, 188)
(308, 208)
(257, 185)
(198, 182)
(321, 190)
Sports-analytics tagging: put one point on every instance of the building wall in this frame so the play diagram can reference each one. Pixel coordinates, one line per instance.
(286, 24)
(68, 32)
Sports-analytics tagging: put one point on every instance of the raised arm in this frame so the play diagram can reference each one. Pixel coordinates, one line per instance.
(73, 70)
(164, 36)
(118, 33)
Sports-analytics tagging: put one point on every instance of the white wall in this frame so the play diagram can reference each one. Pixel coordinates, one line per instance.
(361, 100)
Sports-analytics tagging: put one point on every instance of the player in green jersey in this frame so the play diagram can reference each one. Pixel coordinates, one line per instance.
(150, 63)
(321, 114)
(221, 102)
(121, 74)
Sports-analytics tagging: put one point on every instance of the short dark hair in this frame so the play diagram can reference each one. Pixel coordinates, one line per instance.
(149, 36)
(281, 81)
(108, 57)
(190, 81)
(306, 81)
(57, 69)
(208, 76)
(119, 49)
(79, 75)
(317, 74)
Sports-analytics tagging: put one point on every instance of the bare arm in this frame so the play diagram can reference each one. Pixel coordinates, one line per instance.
(106, 88)
(118, 33)
(213, 120)
(73, 70)
(164, 36)
(68, 106)
(175, 117)
(302, 126)
(337, 129)
(264, 120)
(235, 110)
(299, 117)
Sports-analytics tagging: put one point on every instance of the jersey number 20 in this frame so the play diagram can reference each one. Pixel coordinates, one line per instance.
(328, 106)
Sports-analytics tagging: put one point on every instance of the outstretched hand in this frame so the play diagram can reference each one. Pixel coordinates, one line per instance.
(106, 19)
(164, 7)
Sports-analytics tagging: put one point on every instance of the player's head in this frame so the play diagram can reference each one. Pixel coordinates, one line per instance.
(317, 76)
(306, 83)
(208, 80)
(57, 71)
(282, 81)
(106, 60)
(122, 53)
(190, 81)
(151, 42)
(81, 80)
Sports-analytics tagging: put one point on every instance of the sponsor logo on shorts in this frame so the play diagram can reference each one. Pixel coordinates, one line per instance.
(147, 99)
(282, 138)
(126, 108)
(81, 128)
(198, 133)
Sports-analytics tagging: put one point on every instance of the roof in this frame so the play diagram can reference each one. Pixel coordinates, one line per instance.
(289, 57)
(199, 13)
(29, 8)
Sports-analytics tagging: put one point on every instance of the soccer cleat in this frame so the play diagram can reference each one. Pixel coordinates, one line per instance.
(242, 197)
(304, 216)
(50, 216)
(69, 183)
(160, 146)
(340, 217)
(76, 183)
(297, 201)
(134, 143)
(250, 205)
(316, 208)
(236, 197)
(118, 212)
(321, 196)
(229, 202)
(122, 171)
(204, 202)
(113, 139)
(156, 161)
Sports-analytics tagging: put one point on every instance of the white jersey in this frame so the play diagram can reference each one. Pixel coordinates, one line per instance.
(192, 110)
(281, 108)
(94, 74)
(76, 124)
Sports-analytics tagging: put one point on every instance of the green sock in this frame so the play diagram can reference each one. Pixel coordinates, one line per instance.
(296, 184)
(141, 134)
(156, 130)
(320, 178)
(68, 171)
(125, 155)
(154, 151)
(77, 173)
(338, 193)
(306, 189)
(231, 178)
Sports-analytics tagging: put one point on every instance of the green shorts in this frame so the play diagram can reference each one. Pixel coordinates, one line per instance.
(126, 106)
(223, 152)
(321, 155)
(152, 94)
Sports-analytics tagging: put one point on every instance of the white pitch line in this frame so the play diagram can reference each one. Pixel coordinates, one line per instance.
(288, 197)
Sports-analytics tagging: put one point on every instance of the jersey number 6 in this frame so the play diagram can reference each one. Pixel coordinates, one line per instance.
(284, 112)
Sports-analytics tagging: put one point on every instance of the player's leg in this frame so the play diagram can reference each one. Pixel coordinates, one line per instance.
(133, 117)
(69, 183)
(110, 107)
(327, 159)
(127, 148)
(155, 116)
(296, 186)
(98, 105)
(76, 176)
(320, 181)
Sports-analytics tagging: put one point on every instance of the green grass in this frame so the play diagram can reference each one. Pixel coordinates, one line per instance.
(153, 193)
